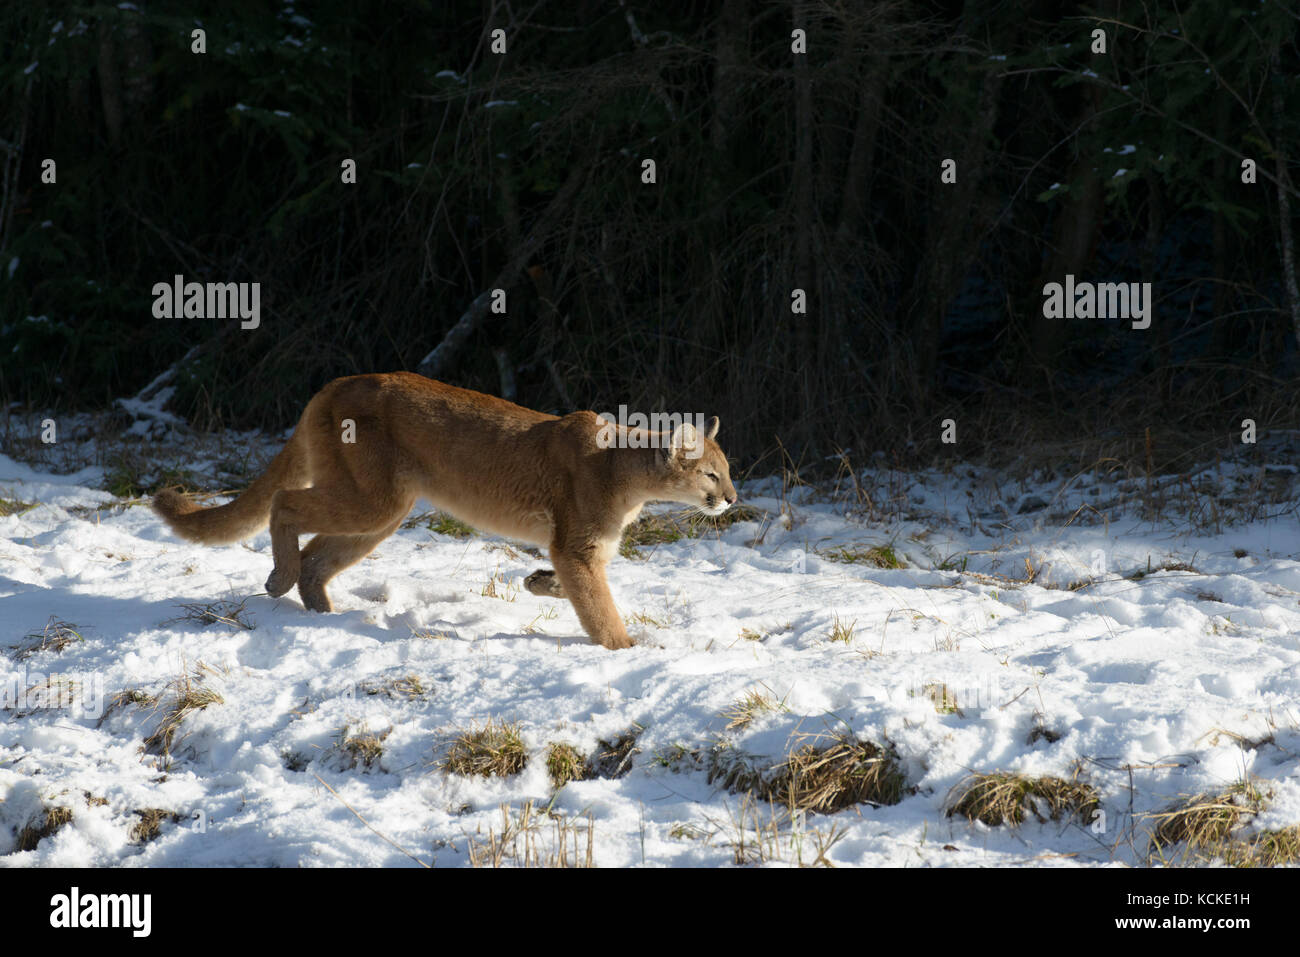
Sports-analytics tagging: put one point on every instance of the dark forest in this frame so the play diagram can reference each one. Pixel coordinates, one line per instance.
(1117, 142)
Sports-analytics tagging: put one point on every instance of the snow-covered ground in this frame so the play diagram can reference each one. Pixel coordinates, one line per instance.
(1158, 655)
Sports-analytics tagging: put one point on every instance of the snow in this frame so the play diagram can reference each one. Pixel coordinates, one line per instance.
(1030, 599)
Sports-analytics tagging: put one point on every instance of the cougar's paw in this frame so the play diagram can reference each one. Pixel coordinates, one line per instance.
(280, 582)
(615, 642)
(313, 596)
(544, 582)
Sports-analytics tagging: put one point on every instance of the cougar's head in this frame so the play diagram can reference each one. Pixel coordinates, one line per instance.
(697, 471)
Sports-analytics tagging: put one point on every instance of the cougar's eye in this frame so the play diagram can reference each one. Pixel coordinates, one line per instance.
(712, 475)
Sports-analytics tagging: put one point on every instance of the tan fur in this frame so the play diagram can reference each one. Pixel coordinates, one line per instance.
(493, 464)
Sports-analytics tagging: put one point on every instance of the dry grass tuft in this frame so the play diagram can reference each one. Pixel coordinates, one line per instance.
(613, 759)
(507, 592)
(642, 618)
(663, 529)
(45, 824)
(549, 613)
(223, 611)
(407, 687)
(778, 835)
(134, 475)
(650, 530)
(123, 699)
(749, 706)
(1208, 827)
(442, 524)
(677, 756)
(48, 692)
(1204, 823)
(495, 750)
(426, 634)
(842, 632)
(11, 506)
(150, 824)
(520, 843)
(879, 556)
(564, 763)
(737, 513)
(754, 634)
(943, 698)
(821, 779)
(1167, 566)
(55, 636)
(1266, 849)
(686, 831)
(1003, 798)
(363, 748)
(184, 696)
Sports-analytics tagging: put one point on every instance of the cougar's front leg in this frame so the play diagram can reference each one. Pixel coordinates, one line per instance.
(546, 583)
(582, 577)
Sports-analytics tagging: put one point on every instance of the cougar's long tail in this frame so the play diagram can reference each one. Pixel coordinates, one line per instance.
(248, 513)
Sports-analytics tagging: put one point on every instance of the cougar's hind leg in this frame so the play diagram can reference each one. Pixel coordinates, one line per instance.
(327, 555)
(336, 512)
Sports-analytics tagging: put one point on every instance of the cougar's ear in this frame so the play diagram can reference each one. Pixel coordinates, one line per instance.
(711, 428)
(684, 437)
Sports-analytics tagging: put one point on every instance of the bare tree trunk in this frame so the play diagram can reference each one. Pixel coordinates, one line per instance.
(731, 38)
(13, 165)
(137, 53)
(110, 84)
(1284, 212)
(951, 244)
(1221, 336)
(804, 218)
(1155, 230)
(857, 173)
(1074, 241)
